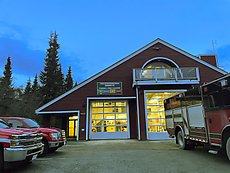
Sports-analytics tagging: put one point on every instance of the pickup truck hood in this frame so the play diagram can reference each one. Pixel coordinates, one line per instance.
(9, 132)
(44, 130)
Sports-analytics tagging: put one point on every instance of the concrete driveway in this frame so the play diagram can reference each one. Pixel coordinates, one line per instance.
(125, 156)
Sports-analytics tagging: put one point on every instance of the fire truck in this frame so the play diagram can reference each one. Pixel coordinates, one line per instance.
(201, 116)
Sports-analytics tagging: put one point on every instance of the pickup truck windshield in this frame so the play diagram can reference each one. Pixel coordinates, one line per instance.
(31, 123)
(3, 125)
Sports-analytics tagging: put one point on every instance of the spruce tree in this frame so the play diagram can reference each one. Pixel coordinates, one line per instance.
(69, 80)
(50, 78)
(7, 91)
(28, 88)
(6, 80)
(35, 86)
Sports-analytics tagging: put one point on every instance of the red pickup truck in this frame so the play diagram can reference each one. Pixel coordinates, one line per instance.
(18, 145)
(53, 138)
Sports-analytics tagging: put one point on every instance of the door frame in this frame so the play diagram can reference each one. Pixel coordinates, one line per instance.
(78, 124)
(159, 134)
(88, 114)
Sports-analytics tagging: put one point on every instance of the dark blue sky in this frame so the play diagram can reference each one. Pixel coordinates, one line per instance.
(95, 34)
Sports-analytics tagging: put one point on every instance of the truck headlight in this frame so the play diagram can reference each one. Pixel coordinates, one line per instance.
(14, 141)
(54, 136)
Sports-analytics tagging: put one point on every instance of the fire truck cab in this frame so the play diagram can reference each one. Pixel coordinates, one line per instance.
(201, 116)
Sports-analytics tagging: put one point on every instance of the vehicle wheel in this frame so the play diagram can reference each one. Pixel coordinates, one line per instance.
(46, 147)
(227, 146)
(1, 160)
(183, 143)
(52, 150)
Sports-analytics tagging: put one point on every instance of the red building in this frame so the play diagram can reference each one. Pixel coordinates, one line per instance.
(126, 99)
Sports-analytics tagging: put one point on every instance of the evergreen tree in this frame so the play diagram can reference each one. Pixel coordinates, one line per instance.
(60, 80)
(28, 88)
(35, 86)
(6, 80)
(51, 78)
(69, 80)
(7, 91)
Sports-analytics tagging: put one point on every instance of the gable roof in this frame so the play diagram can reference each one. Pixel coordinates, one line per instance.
(158, 40)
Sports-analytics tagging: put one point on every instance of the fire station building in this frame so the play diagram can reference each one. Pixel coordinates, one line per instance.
(126, 100)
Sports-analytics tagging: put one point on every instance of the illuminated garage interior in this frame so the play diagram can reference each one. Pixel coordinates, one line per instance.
(155, 113)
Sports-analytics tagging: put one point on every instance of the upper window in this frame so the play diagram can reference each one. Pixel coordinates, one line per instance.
(157, 64)
(159, 69)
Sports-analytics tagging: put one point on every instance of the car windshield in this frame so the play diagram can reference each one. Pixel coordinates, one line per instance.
(3, 125)
(31, 123)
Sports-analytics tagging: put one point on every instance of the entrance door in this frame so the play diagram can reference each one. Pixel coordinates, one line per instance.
(155, 114)
(73, 127)
(109, 120)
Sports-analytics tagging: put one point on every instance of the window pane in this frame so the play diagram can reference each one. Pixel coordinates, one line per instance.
(97, 116)
(109, 104)
(120, 109)
(121, 116)
(109, 122)
(121, 128)
(97, 123)
(156, 128)
(109, 116)
(118, 122)
(109, 110)
(97, 110)
(121, 103)
(97, 129)
(156, 115)
(97, 104)
(155, 108)
(109, 129)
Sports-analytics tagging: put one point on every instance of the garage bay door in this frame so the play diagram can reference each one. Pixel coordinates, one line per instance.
(109, 120)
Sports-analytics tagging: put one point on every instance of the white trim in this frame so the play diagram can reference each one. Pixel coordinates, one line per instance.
(110, 135)
(78, 124)
(216, 80)
(146, 116)
(89, 106)
(79, 117)
(158, 40)
(156, 58)
(164, 82)
(138, 115)
(57, 112)
(87, 121)
(215, 144)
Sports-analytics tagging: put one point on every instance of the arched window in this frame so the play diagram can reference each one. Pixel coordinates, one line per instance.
(160, 68)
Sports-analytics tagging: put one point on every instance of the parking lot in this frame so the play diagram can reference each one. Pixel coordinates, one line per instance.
(112, 156)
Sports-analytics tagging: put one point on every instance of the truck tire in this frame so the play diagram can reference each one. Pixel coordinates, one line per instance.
(52, 150)
(227, 146)
(1, 160)
(183, 143)
(46, 147)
